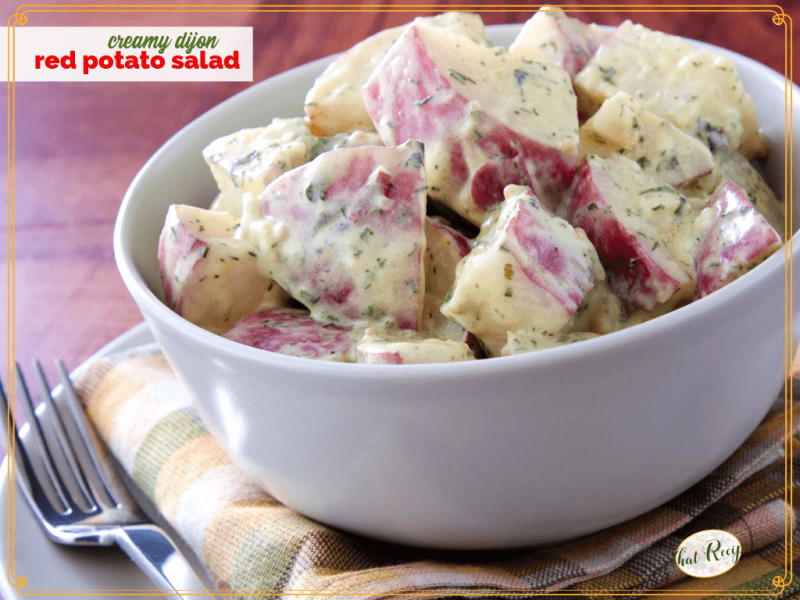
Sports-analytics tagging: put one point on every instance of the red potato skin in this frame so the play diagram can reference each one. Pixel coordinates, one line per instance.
(738, 236)
(580, 44)
(520, 161)
(636, 274)
(511, 158)
(548, 257)
(292, 332)
(184, 247)
(573, 279)
(458, 240)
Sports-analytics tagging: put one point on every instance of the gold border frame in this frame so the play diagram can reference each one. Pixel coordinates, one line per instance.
(20, 18)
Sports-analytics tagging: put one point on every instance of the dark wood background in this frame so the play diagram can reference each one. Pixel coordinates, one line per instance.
(79, 145)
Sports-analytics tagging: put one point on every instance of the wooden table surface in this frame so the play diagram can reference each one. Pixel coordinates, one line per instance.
(79, 145)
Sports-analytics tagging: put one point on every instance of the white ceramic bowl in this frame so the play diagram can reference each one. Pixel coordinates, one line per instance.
(506, 452)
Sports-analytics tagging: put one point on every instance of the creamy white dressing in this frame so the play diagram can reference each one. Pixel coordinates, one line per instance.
(674, 80)
(623, 126)
(333, 104)
(408, 348)
(601, 312)
(522, 343)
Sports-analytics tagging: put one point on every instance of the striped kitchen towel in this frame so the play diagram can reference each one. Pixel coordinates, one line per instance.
(252, 545)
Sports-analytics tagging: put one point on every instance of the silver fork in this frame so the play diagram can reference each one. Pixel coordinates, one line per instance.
(77, 497)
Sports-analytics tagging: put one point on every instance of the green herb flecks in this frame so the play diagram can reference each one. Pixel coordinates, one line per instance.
(308, 297)
(314, 195)
(460, 77)
(661, 188)
(608, 73)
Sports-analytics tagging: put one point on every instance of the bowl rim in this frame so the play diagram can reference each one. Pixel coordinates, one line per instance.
(698, 309)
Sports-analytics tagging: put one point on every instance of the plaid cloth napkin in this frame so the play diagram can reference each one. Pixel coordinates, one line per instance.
(253, 545)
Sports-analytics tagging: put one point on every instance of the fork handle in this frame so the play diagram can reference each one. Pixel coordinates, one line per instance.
(151, 549)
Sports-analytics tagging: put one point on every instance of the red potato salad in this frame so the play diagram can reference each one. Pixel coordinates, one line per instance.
(445, 200)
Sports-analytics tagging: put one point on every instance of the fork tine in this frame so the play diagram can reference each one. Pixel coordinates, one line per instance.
(83, 442)
(69, 473)
(8, 426)
(43, 467)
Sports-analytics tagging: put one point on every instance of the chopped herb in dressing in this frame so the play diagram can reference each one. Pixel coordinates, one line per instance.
(608, 73)
(460, 78)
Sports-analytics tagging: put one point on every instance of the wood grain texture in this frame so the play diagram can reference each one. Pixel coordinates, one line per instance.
(79, 145)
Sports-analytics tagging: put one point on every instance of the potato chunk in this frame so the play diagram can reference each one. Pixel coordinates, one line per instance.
(445, 247)
(551, 36)
(735, 238)
(529, 272)
(344, 234)
(248, 160)
(523, 343)
(408, 348)
(738, 170)
(209, 276)
(697, 90)
(642, 230)
(333, 104)
(487, 118)
(293, 332)
(623, 126)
